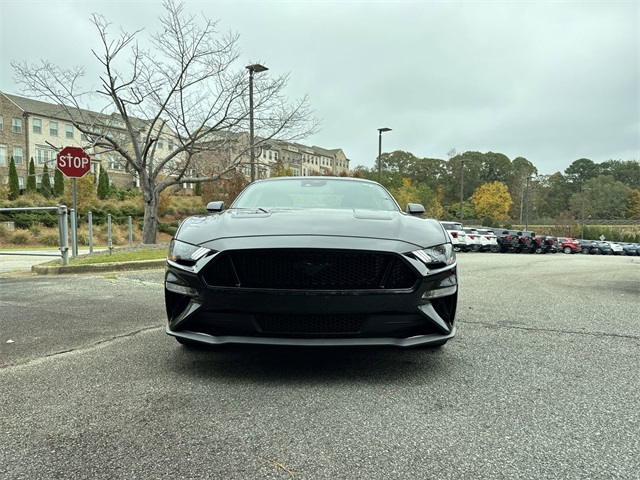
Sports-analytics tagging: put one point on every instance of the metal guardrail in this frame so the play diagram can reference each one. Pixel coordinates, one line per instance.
(62, 231)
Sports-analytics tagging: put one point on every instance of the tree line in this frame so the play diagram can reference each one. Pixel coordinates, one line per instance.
(494, 188)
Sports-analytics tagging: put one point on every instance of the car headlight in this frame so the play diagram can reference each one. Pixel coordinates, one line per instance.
(436, 257)
(185, 253)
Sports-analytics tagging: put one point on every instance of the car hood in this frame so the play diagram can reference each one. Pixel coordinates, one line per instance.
(311, 227)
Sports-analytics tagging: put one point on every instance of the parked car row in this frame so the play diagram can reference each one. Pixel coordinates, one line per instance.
(482, 239)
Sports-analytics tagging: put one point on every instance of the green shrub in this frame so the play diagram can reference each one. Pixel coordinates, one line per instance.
(83, 238)
(20, 238)
(27, 219)
(50, 239)
(35, 229)
(489, 222)
(169, 228)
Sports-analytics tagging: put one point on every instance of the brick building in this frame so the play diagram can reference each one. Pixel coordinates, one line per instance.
(36, 129)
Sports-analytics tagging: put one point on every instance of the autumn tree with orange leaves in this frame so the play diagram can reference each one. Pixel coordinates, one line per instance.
(492, 200)
(412, 191)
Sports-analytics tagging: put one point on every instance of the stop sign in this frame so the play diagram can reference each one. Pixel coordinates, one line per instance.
(73, 162)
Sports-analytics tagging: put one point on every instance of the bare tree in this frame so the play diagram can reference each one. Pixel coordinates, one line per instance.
(189, 86)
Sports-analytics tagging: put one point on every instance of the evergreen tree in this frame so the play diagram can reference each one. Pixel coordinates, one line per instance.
(103, 184)
(58, 183)
(14, 185)
(198, 189)
(32, 185)
(45, 187)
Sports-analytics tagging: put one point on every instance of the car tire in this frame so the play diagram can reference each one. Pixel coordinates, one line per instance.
(567, 250)
(623, 252)
(495, 248)
(585, 250)
(475, 248)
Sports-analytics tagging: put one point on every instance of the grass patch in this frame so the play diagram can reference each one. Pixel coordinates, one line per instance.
(132, 256)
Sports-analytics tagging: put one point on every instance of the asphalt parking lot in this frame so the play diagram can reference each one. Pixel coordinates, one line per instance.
(540, 383)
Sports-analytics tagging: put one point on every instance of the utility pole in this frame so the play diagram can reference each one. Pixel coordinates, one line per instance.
(252, 155)
(462, 160)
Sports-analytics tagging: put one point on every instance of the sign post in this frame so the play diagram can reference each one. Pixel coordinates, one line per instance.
(74, 163)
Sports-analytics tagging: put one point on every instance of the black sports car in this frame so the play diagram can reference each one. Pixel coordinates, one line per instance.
(312, 261)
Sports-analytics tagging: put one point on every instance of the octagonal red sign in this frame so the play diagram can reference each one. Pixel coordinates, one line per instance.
(73, 162)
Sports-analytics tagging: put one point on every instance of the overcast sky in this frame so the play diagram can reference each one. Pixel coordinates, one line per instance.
(551, 81)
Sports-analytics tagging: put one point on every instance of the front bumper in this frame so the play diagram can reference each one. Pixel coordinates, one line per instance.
(414, 341)
(404, 317)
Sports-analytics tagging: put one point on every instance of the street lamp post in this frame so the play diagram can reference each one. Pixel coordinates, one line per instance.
(462, 160)
(582, 214)
(252, 69)
(526, 206)
(380, 130)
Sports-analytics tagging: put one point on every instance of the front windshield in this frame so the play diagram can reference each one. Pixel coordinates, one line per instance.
(316, 193)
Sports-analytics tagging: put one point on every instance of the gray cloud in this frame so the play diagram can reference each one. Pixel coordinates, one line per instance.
(549, 81)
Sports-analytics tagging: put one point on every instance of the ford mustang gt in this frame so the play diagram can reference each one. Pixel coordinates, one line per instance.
(312, 261)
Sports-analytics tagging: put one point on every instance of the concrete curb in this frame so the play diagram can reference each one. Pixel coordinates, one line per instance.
(98, 267)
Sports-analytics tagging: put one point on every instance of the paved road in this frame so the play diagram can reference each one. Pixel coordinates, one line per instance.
(541, 383)
(24, 261)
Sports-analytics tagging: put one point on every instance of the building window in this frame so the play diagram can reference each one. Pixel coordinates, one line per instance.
(160, 142)
(37, 125)
(3, 155)
(83, 137)
(68, 131)
(114, 162)
(170, 144)
(53, 129)
(38, 181)
(1, 122)
(16, 125)
(44, 154)
(17, 155)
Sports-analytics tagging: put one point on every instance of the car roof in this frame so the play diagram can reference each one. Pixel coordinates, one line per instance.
(316, 178)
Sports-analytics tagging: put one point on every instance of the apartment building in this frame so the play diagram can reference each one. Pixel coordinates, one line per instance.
(34, 129)
(303, 160)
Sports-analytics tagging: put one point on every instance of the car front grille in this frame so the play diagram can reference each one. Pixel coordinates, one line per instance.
(310, 324)
(309, 270)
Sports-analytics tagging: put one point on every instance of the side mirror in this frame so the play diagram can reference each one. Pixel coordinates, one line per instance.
(215, 206)
(415, 209)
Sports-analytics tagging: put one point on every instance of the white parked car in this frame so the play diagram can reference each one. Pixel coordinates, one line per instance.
(488, 239)
(474, 242)
(457, 235)
(616, 248)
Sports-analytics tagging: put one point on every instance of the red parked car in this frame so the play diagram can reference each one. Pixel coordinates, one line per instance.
(569, 245)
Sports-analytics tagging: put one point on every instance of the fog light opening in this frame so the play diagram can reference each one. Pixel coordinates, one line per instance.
(446, 287)
(181, 289)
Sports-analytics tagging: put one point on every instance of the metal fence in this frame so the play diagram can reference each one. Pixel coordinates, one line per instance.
(63, 213)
